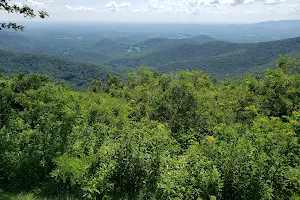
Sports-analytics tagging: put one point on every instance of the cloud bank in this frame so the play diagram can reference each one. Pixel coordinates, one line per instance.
(114, 7)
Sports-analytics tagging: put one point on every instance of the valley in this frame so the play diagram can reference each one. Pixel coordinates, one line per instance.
(119, 52)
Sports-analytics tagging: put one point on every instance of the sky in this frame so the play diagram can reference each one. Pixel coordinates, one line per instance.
(173, 11)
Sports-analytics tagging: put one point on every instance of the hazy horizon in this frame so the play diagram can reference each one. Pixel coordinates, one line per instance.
(71, 22)
(164, 11)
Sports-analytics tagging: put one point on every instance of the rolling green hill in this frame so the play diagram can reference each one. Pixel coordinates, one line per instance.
(215, 58)
(12, 41)
(158, 43)
(77, 73)
(272, 64)
(121, 45)
(110, 47)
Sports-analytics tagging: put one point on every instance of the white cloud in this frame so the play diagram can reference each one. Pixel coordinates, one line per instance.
(181, 6)
(36, 3)
(271, 11)
(32, 3)
(79, 9)
(252, 12)
(295, 9)
(41, 4)
(159, 5)
(267, 12)
(229, 11)
(273, 2)
(18, 4)
(136, 10)
(139, 10)
(110, 7)
(125, 5)
(114, 7)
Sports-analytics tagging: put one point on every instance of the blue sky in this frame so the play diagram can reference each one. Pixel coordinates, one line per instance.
(181, 11)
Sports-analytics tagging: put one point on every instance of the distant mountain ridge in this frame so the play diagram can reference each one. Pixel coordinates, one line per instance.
(291, 23)
(111, 47)
(216, 58)
(202, 52)
(157, 43)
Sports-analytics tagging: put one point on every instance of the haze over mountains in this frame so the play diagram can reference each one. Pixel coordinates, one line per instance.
(80, 53)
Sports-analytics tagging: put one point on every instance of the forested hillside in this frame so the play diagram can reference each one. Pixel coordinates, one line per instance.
(164, 54)
(159, 43)
(183, 135)
(78, 74)
(13, 41)
(215, 58)
(77, 48)
(110, 47)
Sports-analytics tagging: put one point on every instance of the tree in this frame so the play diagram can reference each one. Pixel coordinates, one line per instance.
(25, 10)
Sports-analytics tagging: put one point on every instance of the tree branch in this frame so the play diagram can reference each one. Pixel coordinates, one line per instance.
(25, 10)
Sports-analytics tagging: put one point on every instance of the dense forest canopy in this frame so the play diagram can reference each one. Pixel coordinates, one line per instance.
(182, 135)
(217, 58)
(78, 74)
(123, 54)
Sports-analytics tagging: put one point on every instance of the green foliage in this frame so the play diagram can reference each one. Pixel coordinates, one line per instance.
(157, 136)
(124, 163)
(31, 196)
(24, 10)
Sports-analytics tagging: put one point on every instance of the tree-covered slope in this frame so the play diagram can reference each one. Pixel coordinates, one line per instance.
(85, 56)
(14, 40)
(159, 136)
(216, 58)
(79, 74)
(110, 47)
(160, 43)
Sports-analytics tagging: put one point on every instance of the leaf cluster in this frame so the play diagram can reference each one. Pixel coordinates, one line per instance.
(25, 10)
